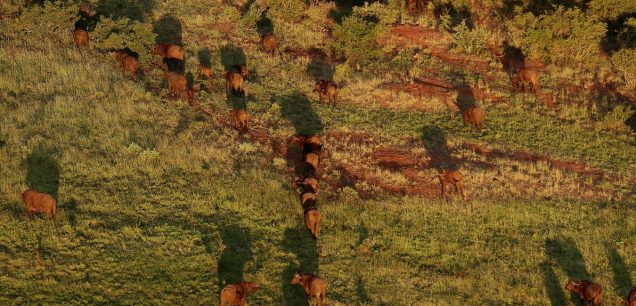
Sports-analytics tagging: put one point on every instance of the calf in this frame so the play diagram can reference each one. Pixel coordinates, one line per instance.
(631, 298)
(475, 116)
(234, 80)
(587, 291)
(128, 63)
(451, 177)
(269, 43)
(80, 37)
(177, 83)
(315, 287)
(327, 89)
(39, 202)
(205, 72)
(312, 220)
(169, 51)
(236, 294)
(525, 78)
(240, 119)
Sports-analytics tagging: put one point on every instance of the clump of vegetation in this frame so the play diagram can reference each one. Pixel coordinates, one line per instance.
(565, 36)
(471, 41)
(39, 21)
(116, 34)
(625, 61)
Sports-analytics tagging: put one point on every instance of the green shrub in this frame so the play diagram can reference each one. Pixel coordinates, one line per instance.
(113, 34)
(625, 61)
(38, 22)
(610, 9)
(287, 10)
(566, 36)
(469, 41)
(616, 118)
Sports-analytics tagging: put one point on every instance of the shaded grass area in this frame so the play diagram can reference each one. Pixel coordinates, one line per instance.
(161, 206)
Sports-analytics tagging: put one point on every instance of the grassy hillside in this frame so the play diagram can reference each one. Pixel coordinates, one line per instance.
(161, 204)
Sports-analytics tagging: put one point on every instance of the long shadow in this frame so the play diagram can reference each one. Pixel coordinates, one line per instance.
(205, 58)
(43, 170)
(237, 252)
(361, 291)
(133, 10)
(565, 255)
(264, 25)
(169, 30)
(299, 242)
(232, 55)
(436, 146)
(622, 277)
(298, 110)
(319, 67)
(513, 59)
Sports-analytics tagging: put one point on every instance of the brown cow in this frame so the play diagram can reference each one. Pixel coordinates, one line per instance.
(169, 51)
(128, 63)
(312, 220)
(234, 80)
(308, 143)
(39, 202)
(314, 286)
(306, 184)
(177, 83)
(308, 199)
(587, 291)
(80, 37)
(312, 160)
(327, 89)
(269, 43)
(205, 71)
(451, 177)
(475, 116)
(631, 298)
(240, 119)
(525, 78)
(242, 69)
(236, 294)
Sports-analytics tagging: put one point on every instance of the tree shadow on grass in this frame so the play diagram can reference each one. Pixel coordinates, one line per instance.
(43, 170)
(237, 252)
(299, 242)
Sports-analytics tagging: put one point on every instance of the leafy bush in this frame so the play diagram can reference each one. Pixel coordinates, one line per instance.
(355, 37)
(616, 118)
(113, 34)
(39, 22)
(469, 41)
(610, 9)
(566, 36)
(625, 61)
(290, 11)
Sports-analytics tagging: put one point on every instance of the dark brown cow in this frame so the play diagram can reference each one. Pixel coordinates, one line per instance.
(306, 184)
(327, 89)
(475, 116)
(128, 63)
(242, 69)
(308, 144)
(314, 286)
(312, 220)
(308, 199)
(631, 298)
(587, 291)
(80, 37)
(451, 177)
(269, 43)
(236, 294)
(39, 202)
(169, 51)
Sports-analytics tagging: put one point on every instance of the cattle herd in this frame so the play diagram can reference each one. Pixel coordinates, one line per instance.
(306, 184)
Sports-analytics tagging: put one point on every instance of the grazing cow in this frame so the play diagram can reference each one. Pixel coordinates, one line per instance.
(236, 294)
(314, 286)
(242, 69)
(525, 78)
(177, 83)
(39, 202)
(475, 116)
(587, 291)
(80, 37)
(327, 89)
(451, 177)
(631, 298)
(234, 80)
(240, 119)
(128, 63)
(312, 220)
(205, 72)
(306, 184)
(169, 51)
(308, 143)
(312, 160)
(308, 199)
(269, 43)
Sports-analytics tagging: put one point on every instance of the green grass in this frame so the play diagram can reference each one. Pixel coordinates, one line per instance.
(161, 205)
